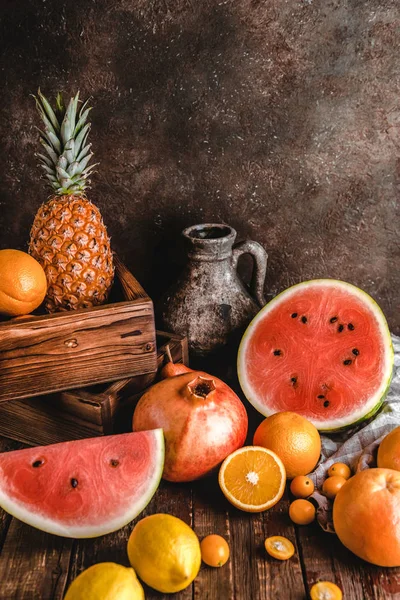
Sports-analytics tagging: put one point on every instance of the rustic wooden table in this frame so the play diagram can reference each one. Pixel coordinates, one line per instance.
(36, 565)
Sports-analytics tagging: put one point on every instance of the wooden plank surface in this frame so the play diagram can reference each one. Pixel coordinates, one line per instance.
(37, 565)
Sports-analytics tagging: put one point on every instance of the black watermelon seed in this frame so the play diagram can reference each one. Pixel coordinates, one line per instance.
(348, 361)
(304, 319)
(326, 403)
(37, 463)
(350, 326)
(321, 396)
(340, 328)
(114, 462)
(293, 379)
(355, 352)
(294, 315)
(333, 319)
(277, 352)
(74, 482)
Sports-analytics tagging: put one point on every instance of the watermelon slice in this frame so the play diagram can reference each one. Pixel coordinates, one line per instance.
(83, 488)
(321, 348)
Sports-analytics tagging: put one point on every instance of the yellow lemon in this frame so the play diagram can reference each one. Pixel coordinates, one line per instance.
(23, 284)
(165, 552)
(106, 581)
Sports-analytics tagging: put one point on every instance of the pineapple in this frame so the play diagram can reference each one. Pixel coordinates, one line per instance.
(68, 236)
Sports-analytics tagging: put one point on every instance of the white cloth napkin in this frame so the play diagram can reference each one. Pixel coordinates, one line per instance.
(357, 447)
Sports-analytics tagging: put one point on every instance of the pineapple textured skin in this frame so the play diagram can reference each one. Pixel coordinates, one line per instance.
(70, 241)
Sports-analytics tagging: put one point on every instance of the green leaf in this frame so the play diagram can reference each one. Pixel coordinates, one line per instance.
(68, 124)
(50, 151)
(82, 121)
(83, 152)
(60, 106)
(49, 170)
(84, 162)
(61, 173)
(69, 150)
(52, 179)
(53, 139)
(46, 160)
(62, 162)
(89, 169)
(44, 118)
(81, 137)
(73, 168)
(48, 110)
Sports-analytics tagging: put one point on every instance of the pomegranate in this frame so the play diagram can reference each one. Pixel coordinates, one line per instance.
(202, 418)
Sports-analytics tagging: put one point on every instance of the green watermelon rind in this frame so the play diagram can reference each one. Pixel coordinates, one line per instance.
(368, 416)
(54, 527)
(380, 397)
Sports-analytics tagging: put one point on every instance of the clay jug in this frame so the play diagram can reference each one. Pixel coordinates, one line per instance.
(209, 303)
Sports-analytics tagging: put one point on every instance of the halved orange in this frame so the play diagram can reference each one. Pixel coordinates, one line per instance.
(252, 478)
(279, 547)
(325, 590)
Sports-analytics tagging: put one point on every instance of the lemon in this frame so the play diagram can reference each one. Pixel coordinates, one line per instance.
(165, 552)
(106, 581)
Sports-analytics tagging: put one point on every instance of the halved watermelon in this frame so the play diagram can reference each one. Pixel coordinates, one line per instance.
(321, 348)
(83, 488)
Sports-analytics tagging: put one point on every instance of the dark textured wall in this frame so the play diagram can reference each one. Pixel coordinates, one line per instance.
(281, 118)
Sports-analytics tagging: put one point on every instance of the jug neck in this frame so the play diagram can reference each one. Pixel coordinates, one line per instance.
(209, 242)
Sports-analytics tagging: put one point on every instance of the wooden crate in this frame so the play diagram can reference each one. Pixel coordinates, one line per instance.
(42, 354)
(87, 412)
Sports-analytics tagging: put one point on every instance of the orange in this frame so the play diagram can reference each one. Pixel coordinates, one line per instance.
(214, 550)
(366, 516)
(23, 284)
(339, 469)
(302, 486)
(252, 478)
(279, 547)
(294, 439)
(325, 590)
(389, 451)
(332, 485)
(302, 512)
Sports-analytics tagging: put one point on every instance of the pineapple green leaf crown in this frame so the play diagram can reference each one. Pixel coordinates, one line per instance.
(64, 138)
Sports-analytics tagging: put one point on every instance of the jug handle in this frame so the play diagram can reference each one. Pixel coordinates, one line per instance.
(260, 258)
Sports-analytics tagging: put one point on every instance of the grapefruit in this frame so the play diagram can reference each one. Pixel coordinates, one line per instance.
(321, 348)
(84, 488)
(23, 283)
(366, 516)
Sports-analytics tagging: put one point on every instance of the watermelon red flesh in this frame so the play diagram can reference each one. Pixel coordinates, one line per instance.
(83, 488)
(322, 349)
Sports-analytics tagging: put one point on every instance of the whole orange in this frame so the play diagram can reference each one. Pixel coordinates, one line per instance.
(294, 439)
(366, 516)
(389, 451)
(332, 485)
(23, 283)
(302, 512)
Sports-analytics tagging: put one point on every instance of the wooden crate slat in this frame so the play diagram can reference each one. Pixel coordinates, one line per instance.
(42, 354)
(83, 412)
(117, 342)
(39, 425)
